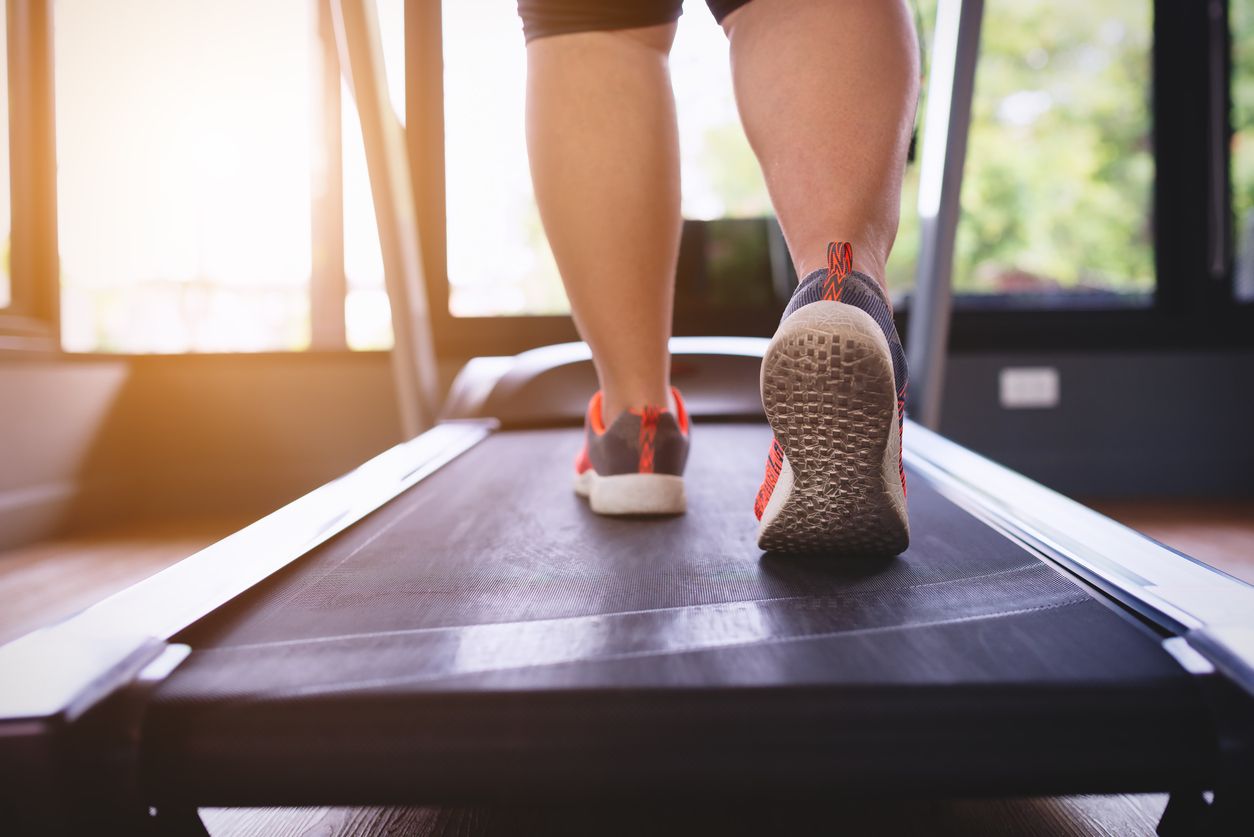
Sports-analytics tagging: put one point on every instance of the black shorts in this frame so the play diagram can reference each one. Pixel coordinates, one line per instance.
(542, 18)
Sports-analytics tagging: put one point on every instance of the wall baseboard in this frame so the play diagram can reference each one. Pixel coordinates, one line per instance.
(31, 513)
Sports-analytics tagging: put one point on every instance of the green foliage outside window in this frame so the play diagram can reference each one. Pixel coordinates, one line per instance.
(1059, 170)
(1242, 27)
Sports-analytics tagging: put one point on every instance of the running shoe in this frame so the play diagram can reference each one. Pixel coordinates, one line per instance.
(834, 389)
(636, 465)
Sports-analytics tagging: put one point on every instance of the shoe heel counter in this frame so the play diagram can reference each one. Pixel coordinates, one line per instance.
(634, 445)
(670, 447)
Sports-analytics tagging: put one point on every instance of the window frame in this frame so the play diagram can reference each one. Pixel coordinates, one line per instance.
(30, 323)
(1193, 305)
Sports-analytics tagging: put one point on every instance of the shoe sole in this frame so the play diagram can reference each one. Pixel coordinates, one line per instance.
(632, 494)
(830, 397)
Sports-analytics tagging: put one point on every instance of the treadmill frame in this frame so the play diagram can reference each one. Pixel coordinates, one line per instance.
(76, 690)
(1207, 608)
(73, 695)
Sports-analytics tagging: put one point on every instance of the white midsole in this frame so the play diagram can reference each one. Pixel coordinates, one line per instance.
(632, 493)
(779, 495)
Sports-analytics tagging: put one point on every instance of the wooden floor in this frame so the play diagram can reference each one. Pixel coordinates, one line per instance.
(47, 582)
(1219, 533)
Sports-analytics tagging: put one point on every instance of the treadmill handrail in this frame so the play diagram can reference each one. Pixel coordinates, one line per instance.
(48, 672)
(485, 385)
(414, 365)
(524, 366)
(951, 87)
(1177, 592)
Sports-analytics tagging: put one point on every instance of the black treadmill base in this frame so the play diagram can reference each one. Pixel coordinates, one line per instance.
(487, 640)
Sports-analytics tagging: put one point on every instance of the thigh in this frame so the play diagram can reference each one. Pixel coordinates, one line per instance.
(542, 18)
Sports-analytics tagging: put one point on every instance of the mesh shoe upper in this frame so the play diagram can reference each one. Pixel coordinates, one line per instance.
(651, 440)
(841, 283)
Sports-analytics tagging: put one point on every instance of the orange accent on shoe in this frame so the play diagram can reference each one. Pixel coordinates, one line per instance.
(596, 413)
(901, 439)
(774, 464)
(648, 433)
(839, 265)
(681, 411)
(649, 416)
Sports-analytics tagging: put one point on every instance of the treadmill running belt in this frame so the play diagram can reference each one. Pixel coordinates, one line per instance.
(492, 635)
(498, 536)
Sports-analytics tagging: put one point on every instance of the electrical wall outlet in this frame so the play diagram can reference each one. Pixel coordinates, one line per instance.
(1028, 387)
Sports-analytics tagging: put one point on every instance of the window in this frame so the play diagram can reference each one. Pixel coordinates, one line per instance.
(6, 280)
(184, 141)
(190, 150)
(499, 262)
(192, 168)
(1069, 81)
(905, 254)
(1242, 161)
(1060, 131)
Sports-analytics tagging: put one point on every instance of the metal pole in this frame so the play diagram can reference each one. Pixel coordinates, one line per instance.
(413, 353)
(951, 84)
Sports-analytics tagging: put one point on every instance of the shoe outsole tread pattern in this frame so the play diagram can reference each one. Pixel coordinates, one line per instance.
(830, 397)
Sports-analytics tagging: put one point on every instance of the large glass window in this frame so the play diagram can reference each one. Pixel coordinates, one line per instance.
(1059, 172)
(184, 134)
(188, 148)
(1060, 131)
(1241, 20)
(498, 259)
(6, 283)
(185, 142)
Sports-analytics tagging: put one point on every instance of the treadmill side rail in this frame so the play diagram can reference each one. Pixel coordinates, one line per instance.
(72, 695)
(1212, 610)
(57, 672)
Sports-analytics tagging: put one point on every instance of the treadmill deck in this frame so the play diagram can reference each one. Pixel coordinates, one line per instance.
(485, 636)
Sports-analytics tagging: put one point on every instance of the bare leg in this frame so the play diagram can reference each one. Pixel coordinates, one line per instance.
(827, 92)
(604, 150)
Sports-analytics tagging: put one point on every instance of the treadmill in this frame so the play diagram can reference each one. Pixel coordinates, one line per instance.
(449, 623)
